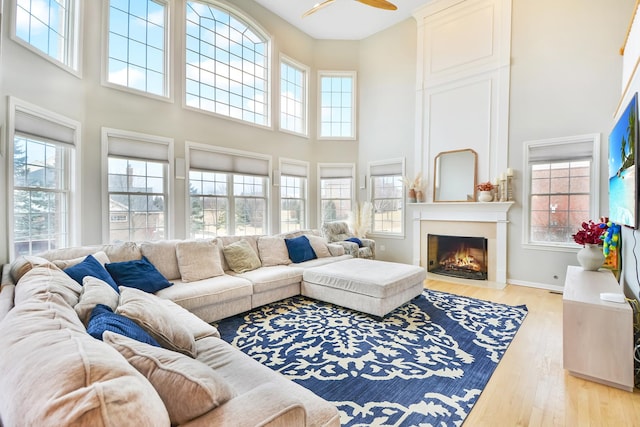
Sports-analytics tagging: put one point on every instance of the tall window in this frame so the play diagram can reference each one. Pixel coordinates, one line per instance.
(387, 196)
(293, 195)
(228, 192)
(337, 105)
(563, 188)
(293, 96)
(137, 193)
(49, 27)
(137, 45)
(227, 64)
(43, 179)
(336, 191)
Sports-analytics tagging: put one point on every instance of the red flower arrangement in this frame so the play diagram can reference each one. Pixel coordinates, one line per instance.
(591, 233)
(485, 186)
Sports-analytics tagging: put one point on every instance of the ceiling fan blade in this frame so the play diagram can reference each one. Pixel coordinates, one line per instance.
(380, 4)
(316, 7)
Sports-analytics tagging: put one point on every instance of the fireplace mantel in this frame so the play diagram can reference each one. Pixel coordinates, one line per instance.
(468, 212)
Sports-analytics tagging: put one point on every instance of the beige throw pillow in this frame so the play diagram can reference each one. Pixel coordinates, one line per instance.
(273, 251)
(241, 257)
(319, 246)
(100, 256)
(198, 259)
(188, 387)
(144, 309)
(162, 254)
(94, 292)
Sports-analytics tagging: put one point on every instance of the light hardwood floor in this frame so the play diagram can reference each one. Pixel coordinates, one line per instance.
(529, 386)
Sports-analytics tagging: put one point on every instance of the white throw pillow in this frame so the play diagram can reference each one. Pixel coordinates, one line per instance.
(319, 245)
(198, 259)
(273, 251)
(94, 292)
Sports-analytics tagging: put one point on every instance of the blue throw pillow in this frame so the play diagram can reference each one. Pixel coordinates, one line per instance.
(300, 249)
(104, 319)
(354, 240)
(90, 267)
(139, 274)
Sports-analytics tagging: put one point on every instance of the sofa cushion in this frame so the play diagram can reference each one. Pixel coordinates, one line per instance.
(140, 274)
(25, 263)
(100, 256)
(46, 279)
(117, 252)
(319, 245)
(198, 259)
(53, 373)
(156, 319)
(104, 319)
(300, 249)
(273, 251)
(241, 257)
(188, 387)
(94, 292)
(90, 267)
(162, 254)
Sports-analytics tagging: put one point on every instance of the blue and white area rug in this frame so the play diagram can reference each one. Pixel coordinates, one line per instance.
(424, 364)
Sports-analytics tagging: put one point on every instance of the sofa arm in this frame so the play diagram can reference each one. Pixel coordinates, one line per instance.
(265, 405)
(350, 248)
(371, 244)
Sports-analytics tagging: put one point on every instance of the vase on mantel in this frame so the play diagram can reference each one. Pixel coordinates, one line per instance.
(591, 257)
(485, 196)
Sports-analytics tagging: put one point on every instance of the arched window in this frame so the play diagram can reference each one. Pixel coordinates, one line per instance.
(227, 64)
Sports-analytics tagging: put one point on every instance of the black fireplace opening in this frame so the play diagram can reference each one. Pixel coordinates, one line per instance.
(457, 256)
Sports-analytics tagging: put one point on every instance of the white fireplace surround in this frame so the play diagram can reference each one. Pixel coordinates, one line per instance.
(469, 213)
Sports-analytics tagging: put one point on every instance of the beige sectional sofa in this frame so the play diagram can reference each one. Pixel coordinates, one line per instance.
(52, 372)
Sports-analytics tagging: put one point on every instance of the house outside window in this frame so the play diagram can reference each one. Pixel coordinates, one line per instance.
(562, 180)
(137, 190)
(336, 183)
(228, 192)
(387, 197)
(293, 96)
(137, 45)
(337, 105)
(49, 28)
(227, 64)
(43, 179)
(293, 195)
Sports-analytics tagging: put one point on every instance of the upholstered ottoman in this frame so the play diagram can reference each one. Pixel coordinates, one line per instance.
(371, 286)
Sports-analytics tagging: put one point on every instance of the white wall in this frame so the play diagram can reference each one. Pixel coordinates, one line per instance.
(31, 78)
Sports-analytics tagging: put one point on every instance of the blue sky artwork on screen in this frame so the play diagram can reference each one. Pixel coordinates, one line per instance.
(622, 167)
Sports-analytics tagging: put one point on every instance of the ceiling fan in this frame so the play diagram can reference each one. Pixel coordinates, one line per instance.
(380, 4)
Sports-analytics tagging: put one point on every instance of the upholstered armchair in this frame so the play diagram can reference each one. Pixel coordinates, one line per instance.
(338, 232)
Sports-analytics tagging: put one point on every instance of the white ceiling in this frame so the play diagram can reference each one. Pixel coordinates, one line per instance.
(342, 19)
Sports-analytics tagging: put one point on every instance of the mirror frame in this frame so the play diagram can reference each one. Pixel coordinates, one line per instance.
(436, 176)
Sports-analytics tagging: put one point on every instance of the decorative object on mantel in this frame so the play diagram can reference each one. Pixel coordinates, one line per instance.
(504, 186)
(486, 191)
(360, 219)
(590, 236)
(416, 193)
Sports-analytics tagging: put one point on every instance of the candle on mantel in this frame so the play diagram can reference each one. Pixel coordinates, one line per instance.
(502, 178)
(509, 172)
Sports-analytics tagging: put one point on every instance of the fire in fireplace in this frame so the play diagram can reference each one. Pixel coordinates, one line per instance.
(463, 257)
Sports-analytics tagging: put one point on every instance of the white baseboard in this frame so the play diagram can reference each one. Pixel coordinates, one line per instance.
(546, 286)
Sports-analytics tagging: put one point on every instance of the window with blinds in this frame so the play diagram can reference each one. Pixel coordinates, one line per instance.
(43, 177)
(137, 189)
(562, 182)
(294, 175)
(228, 192)
(387, 197)
(336, 182)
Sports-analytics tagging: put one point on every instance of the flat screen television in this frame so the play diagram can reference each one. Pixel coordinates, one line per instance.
(623, 174)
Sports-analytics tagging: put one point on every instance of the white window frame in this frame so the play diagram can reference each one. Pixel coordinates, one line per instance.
(305, 95)
(168, 52)
(49, 127)
(73, 48)
(325, 170)
(300, 169)
(564, 145)
(385, 168)
(257, 28)
(134, 146)
(231, 162)
(354, 79)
